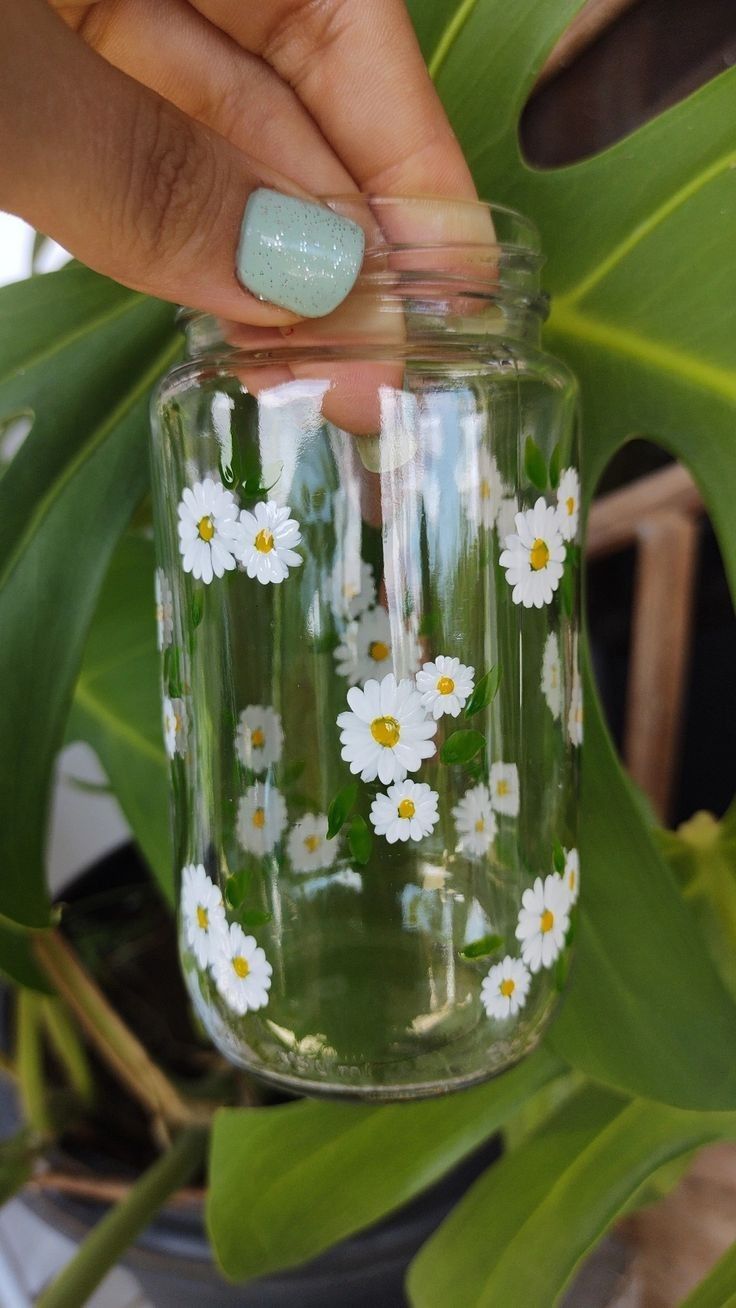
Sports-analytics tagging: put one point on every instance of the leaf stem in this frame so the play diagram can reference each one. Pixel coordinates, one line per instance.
(69, 1049)
(29, 1062)
(74, 1285)
(116, 1044)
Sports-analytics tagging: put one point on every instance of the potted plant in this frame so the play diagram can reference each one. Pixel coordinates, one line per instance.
(638, 1068)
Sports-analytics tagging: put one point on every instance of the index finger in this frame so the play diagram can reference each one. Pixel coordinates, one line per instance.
(358, 69)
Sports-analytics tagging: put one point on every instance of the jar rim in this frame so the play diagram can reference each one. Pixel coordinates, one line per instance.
(457, 221)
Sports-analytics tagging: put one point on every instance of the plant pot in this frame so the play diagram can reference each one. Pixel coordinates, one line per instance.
(172, 1259)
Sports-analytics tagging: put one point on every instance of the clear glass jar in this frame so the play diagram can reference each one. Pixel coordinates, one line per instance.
(367, 537)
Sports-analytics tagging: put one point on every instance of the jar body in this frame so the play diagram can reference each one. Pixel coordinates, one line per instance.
(393, 661)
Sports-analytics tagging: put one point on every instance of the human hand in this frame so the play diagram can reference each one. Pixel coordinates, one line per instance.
(136, 131)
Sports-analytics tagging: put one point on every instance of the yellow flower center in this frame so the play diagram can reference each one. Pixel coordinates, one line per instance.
(264, 541)
(445, 685)
(546, 921)
(554, 678)
(206, 528)
(379, 650)
(480, 824)
(203, 919)
(407, 808)
(312, 843)
(240, 966)
(571, 879)
(485, 489)
(386, 732)
(507, 987)
(259, 818)
(570, 505)
(539, 556)
(502, 787)
(257, 738)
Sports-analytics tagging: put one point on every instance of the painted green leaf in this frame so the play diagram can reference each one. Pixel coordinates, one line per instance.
(482, 948)
(558, 858)
(236, 887)
(520, 1232)
(340, 808)
(82, 354)
(360, 839)
(554, 467)
(718, 1290)
(485, 691)
(663, 364)
(535, 466)
(117, 707)
(374, 1159)
(462, 746)
(254, 917)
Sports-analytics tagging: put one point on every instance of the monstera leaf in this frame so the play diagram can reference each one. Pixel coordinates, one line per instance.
(81, 355)
(116, 706)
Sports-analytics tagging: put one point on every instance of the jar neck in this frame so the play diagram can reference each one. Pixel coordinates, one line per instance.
(426, 323)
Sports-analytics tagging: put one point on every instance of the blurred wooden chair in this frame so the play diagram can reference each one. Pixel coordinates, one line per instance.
(657, 516)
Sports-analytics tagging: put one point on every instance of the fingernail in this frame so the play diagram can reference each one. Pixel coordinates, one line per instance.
(297, 254)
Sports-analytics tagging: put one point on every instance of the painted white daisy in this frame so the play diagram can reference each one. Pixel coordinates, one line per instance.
(259, 737)
(571, 874)
(387, 734)
(209, 531)
(575, 713)
(261, 818)
(352, 587)
(164, 610)
(407, 812)
(543, 921)
(504, 788)
(203, 913)
(504, 991)
(445, 686)
(534, 556)
(568, 503)
(367, 650)
(308, 846)
(269, 540)
(175, 726)
(475, 821)
(241, 970)
(479, 482)
(506, 516)
(552, 675)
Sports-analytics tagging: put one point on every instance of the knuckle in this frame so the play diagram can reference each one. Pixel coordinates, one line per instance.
(172, 179)
(305, 28)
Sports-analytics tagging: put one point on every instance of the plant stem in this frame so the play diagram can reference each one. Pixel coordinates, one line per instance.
(74, 1285)
(69, 1049)
(29, 1060)
(112, 1039)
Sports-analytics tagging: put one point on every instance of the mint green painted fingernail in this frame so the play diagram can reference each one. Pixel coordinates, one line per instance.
(297, 254)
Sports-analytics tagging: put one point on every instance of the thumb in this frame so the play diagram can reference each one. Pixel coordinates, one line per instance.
(137, 190)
